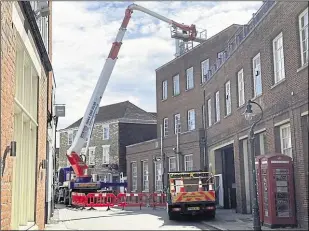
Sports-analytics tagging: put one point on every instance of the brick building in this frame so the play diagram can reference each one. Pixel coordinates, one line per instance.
(26, 100)
(202, 95)
(116, 126)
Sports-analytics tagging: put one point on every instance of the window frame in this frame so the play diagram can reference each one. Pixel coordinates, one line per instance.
(165, 127)
(104, 147)
(177, 126)
(158, 176)
(228, 101)
(203, 80)
(169, 163)
(217, 106)
(91, 149)
(70, 133)
(191, 119)
(186, 162)
(145, 189)
(105, 126)
(281, 77)
(190, 70)
(257, 56)
(134, 176)
(302, 14)
(282, 127)
(176, 87)
(209, 112)
(164, 89)
(241, 88)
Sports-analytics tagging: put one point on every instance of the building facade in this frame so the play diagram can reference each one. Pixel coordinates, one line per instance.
(202, 96)
(116, 126)
(25, 103)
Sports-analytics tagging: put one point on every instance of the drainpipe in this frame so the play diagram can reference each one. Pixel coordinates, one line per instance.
(47, 155)
(162, 158)
(205, 155)
(177, 151)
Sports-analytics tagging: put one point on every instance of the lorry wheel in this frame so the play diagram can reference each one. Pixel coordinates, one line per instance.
(172, 216)
(66, 199)
(212, 215)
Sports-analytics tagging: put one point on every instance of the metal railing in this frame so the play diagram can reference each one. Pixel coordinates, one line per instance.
(239, 36)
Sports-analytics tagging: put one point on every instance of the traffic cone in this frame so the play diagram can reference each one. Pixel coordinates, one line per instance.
(182, 187)
(200, 186)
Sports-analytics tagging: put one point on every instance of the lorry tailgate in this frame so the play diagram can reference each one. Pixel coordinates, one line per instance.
(193, 196)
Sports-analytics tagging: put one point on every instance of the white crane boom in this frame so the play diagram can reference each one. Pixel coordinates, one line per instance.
(85, 127)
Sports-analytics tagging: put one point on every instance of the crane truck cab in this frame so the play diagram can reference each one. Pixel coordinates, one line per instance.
(191, 193)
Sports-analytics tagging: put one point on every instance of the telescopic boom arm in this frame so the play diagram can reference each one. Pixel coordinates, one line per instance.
(85, 127)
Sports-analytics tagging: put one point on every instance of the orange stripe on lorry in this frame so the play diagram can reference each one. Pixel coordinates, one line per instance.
(194, 196)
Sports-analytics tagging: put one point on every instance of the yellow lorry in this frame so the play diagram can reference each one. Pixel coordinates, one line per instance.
(191, 193)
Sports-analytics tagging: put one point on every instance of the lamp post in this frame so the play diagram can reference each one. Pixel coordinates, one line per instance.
(255, 206)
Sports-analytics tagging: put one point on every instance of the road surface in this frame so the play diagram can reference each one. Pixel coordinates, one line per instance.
(117, 219)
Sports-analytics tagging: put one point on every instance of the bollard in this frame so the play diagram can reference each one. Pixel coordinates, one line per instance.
(140, 206)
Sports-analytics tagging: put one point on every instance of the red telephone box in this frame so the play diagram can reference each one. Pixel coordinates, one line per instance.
(277, 190)
(258, 185)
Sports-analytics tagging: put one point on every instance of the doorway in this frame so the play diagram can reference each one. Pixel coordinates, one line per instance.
(228, 177)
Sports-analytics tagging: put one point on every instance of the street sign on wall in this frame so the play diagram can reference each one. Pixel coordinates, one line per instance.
(60, 110)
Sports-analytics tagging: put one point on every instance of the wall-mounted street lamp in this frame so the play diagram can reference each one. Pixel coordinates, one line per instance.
(42, 165)
(9, 149)
(255, 206)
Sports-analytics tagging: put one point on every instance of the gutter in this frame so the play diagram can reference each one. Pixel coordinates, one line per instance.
(25, 5)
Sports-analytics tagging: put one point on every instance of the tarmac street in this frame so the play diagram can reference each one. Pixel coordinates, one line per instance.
(118, 219)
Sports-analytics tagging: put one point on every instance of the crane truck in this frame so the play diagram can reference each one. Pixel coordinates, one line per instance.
(82, 182)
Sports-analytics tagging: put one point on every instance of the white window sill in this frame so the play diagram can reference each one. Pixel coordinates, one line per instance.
(256, 97)
(29, 226)
(302, 67)
(278, 83)
(189, 89)
(227, 115)
(162, 100)
(174, 95)
(217, 122)
(241, 106)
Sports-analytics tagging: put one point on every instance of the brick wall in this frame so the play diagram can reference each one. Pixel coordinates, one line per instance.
(41, 154)
(120, 135)
(284, 100)
(189, 143)
(8, 45)
(187, 99)
(130, 133)
(8, 54)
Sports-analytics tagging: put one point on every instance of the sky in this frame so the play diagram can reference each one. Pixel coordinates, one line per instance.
(83, 33)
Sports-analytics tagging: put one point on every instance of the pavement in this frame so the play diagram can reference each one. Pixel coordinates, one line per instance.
(145, 219)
